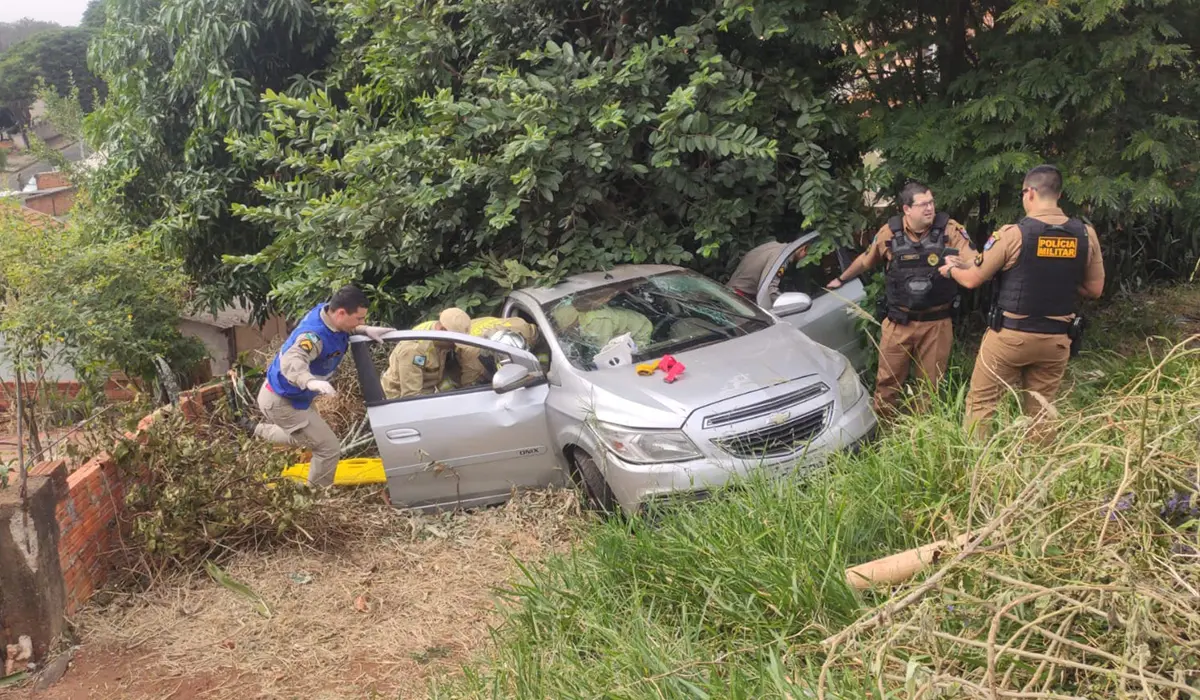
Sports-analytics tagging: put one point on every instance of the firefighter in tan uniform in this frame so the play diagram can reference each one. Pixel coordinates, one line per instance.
(919, 299)
(486, 327)
(417, 367)
(1045, 264)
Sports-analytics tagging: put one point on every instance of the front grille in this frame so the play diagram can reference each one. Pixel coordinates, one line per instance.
(780, 402)
(777, 440)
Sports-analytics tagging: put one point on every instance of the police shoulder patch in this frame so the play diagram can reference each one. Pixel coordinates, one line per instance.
(419, 360)
(991, 241)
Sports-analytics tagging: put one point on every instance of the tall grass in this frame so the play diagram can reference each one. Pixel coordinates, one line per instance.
(733, 597)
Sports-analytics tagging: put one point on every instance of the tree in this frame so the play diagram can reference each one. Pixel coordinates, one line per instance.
(94, 16)
(180, 76)
(15, 32)
(967, 96)
(464, 148)
(58, 58)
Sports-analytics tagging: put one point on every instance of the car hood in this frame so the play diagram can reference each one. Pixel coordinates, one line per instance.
(713, 373)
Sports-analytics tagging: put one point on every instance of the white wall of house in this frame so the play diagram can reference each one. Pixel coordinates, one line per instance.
(55, 371)
(216, 342)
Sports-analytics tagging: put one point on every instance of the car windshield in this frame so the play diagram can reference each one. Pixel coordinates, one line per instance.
(663, 314)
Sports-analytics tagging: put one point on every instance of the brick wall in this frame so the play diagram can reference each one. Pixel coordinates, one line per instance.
(52, 179)
(52, 203)
(117, 389)
(90, 513)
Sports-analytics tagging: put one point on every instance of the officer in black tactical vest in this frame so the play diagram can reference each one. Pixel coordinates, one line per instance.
(1045, 263)
(919, 299)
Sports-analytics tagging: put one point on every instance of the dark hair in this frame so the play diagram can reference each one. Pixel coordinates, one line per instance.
(910, 192)
(1046, 179)
(349, 299)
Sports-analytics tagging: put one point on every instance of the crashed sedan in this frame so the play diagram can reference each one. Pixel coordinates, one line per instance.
(748, 391)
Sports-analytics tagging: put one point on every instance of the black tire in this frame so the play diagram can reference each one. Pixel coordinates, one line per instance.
(587, 476)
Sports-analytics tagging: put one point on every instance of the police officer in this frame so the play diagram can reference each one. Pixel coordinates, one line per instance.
(1045, 263)
(417, 367)
(300, 372)
(755, 267)
(919, 299)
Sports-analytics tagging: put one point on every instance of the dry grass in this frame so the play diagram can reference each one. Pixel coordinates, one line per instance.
(427, 583)
(1094, 586)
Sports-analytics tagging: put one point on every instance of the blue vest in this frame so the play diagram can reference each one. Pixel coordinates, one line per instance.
(333, 349)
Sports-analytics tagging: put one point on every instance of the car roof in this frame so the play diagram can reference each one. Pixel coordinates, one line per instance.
(591, 280)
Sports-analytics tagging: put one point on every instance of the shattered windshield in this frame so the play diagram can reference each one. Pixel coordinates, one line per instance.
(663, 314)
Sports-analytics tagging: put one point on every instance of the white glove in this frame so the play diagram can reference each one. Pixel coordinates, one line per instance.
(376, 333)
(321, 387)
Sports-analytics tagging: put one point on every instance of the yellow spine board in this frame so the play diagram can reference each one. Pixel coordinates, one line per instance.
(350, 472)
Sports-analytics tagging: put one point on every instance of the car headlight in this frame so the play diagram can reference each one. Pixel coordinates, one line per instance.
(645, 446)
(850, 390)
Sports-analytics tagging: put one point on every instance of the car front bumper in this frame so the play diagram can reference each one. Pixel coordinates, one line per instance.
(632, 484)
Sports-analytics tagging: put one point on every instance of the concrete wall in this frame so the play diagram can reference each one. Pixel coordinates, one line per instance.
(32, 594)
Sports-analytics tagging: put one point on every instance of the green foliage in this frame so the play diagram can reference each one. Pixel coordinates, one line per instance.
(180, 76)
(57, 58)
(1107, 91)
(15, 32)
(94, 305)
(197, 494)
(732, 597)
(445, 152)
(464, 148)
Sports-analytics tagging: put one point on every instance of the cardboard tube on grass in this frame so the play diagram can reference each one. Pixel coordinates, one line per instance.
(901, 566)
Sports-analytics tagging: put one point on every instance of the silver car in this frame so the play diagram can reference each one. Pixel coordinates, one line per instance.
(756, 393)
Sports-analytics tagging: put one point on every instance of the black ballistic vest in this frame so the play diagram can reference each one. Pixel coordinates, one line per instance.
(913, 280)
(1045, 280)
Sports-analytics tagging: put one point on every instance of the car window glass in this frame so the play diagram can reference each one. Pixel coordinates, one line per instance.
(810, 277)
(662, 314)
(541, 348)
(384, 355)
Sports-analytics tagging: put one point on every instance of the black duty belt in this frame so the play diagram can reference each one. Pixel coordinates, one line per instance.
(1048, 326)
(901, 317)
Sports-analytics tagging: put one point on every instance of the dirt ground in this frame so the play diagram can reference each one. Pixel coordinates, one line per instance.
(376, 619)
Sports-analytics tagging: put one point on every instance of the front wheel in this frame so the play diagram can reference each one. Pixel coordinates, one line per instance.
(587, 476)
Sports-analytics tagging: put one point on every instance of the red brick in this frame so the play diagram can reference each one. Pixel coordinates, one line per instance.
(47, 468)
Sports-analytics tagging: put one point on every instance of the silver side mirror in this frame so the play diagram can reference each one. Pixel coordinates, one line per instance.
(792, 303)
(511, 377)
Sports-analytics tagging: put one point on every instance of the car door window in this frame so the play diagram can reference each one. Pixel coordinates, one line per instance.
(383, 355)
(810, 276)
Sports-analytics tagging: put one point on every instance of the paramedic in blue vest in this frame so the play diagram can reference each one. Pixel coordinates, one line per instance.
(300, 373)
(917, 330)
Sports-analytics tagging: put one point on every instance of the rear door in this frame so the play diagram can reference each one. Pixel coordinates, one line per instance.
(458, 449)
(828, 321)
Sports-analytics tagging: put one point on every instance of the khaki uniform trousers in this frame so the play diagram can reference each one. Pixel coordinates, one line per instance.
(1014, 360)
(291, 426)
(925, 342)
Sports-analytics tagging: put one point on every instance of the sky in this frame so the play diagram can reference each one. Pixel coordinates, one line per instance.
(64, 12)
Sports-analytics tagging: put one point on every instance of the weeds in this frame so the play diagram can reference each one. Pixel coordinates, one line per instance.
(1070, 591)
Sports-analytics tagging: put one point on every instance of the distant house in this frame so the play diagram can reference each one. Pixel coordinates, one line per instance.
(231, 333)
(49, 193)
(226, 335)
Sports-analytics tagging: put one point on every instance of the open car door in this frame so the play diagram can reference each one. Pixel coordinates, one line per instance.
(464, 448)
(827, 320)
